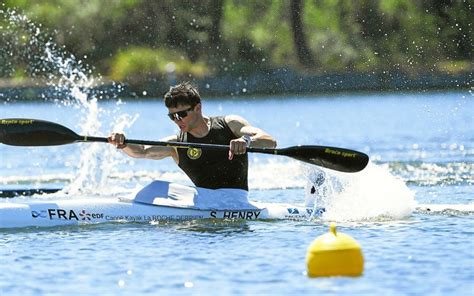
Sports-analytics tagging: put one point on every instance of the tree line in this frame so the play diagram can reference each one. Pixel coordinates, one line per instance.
(142, 40)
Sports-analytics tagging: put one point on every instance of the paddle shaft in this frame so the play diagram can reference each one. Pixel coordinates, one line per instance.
(338, 159)
(32, 132)
(178, 144)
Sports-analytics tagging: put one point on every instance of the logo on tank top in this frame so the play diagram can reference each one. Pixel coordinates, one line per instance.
(194, 153)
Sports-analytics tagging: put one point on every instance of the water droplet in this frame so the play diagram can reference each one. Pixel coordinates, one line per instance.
(188, 284)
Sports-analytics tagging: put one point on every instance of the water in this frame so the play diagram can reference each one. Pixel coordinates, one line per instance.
(422, 151)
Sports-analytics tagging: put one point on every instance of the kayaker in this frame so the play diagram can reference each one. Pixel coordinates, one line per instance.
(205, 168)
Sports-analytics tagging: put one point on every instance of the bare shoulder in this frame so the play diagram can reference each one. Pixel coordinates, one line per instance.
(240, 126)
(236, 121)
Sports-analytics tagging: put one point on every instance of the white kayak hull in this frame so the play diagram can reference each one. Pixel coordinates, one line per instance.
(103, 210)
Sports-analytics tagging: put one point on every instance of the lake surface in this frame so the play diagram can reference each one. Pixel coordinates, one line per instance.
(421, 147)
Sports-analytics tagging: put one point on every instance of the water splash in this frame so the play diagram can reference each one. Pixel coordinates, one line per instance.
(31, 57)
(373, 194)
(98, 163)
(275, 174)
(27, 49)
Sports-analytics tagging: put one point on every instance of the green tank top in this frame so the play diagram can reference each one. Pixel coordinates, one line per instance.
(213, 169)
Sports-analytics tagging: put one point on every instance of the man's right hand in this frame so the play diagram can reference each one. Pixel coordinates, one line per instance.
(118, 140)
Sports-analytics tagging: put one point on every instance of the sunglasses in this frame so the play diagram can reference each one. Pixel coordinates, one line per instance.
(180, 114)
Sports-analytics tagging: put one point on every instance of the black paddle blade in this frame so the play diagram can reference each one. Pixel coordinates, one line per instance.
(339, 159)
(32, 132)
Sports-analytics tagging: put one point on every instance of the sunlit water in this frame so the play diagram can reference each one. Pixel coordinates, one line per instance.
(422, 150)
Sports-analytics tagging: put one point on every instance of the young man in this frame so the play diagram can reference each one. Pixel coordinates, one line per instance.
(206, 168)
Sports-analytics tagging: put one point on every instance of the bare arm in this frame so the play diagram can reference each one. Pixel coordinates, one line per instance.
(142, 151)
(242, 128)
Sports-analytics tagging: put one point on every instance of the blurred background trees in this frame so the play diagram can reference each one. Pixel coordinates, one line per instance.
(141, 40)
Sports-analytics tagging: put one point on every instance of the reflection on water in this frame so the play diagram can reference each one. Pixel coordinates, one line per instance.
(209, 226)
(434, 174)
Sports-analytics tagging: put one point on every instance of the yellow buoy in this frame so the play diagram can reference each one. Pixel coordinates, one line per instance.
(334, 254)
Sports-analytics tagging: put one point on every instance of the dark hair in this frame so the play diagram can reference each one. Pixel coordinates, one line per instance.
(182, 94)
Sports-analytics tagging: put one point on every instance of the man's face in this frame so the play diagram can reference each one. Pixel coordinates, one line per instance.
(185, 116)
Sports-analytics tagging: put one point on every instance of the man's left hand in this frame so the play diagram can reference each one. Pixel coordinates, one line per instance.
(237, 147)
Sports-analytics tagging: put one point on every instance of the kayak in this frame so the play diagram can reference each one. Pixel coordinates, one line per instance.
(159, 201)
(100, 210)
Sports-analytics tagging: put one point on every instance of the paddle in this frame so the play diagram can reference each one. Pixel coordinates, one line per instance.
(32, 132)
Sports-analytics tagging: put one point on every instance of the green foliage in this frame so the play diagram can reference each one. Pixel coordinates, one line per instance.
(334, 36)
(138, 65)
(135, 39)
